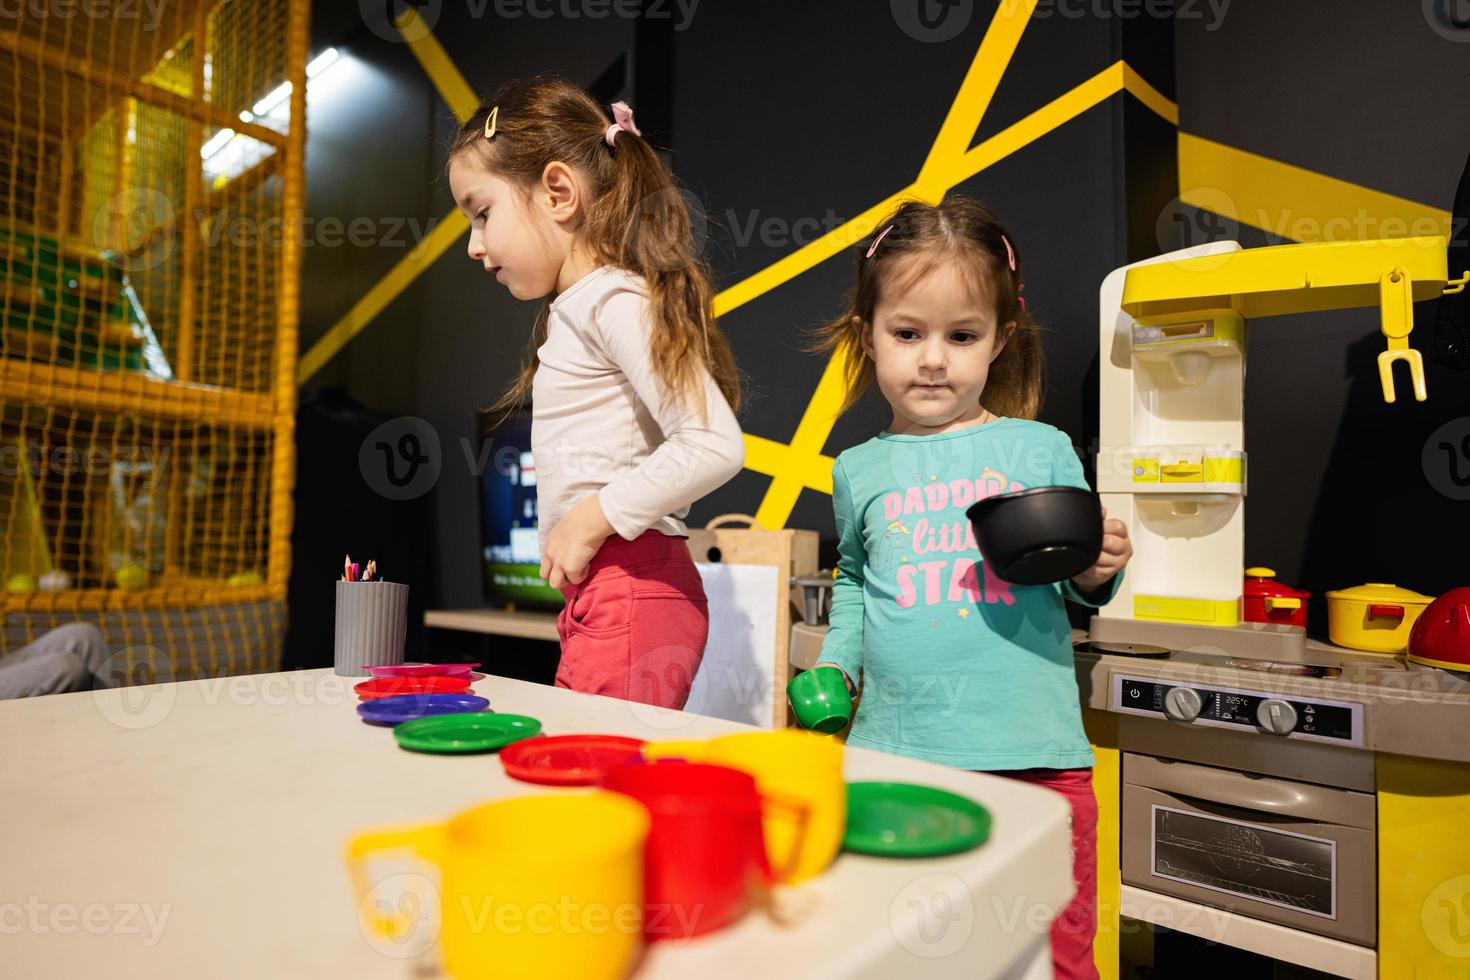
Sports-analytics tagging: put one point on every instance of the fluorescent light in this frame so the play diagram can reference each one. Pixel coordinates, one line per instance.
(260, 111)
(282, 92)
(277, 95)
(216, 143)
(321, 62)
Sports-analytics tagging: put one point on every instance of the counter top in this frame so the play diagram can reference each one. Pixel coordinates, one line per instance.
(197, 829)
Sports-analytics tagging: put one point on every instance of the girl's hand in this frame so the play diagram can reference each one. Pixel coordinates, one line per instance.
(572, 543)
(851, 688)
(1116, 550)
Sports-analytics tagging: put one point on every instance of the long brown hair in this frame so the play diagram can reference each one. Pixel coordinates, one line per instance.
(958, 229)
(637, 220)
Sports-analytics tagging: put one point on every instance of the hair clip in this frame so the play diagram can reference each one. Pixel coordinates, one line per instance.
(491, 122)
(874, 247)
(1010, 252)
(622, 120)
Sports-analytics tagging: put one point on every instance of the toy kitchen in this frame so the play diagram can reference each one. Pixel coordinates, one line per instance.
(1298, 806)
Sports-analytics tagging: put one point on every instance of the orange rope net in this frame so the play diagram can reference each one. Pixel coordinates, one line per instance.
(151, 178)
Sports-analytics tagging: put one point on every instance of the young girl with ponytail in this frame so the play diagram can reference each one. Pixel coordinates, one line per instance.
(632, 385)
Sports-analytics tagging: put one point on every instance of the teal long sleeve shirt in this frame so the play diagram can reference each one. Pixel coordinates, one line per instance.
(958, 667)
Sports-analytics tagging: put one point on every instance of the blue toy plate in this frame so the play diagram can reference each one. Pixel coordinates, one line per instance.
(406, 707)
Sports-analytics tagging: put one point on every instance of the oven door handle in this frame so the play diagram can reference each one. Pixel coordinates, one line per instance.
(1264, 794)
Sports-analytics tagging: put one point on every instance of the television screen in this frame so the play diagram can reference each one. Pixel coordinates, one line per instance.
(511, 548)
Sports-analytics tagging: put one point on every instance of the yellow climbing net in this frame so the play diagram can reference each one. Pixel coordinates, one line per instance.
(150, 171)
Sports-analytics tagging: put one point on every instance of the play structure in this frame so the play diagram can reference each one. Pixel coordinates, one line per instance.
(148, 317)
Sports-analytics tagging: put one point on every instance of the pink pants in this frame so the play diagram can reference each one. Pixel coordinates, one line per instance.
(635, 627)
(1074, 929)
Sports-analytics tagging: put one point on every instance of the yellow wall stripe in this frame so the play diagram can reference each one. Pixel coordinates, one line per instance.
(1292, 202)
(385, 291)
(1055, 114)
(1141, 90)
(955, 133)
(451, 85)
(982, 78)
(455, 91)
(811, 254)
(774, 458)
(807, 466)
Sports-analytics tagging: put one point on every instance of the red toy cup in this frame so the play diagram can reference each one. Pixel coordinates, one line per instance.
(706, 852)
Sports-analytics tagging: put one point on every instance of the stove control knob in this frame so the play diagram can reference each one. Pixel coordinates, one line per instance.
(1276, 716)
(1182, 704)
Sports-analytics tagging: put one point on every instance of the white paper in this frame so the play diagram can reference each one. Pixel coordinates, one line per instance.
(737, 677)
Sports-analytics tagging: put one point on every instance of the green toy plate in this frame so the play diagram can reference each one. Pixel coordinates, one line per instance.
(905, 820)
(464, 733)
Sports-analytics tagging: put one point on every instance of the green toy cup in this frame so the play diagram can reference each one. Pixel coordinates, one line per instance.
(820, 700)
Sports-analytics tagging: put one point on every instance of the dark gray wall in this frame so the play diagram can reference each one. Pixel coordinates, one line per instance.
(783, 119)
(788, 110)
(1339, 494)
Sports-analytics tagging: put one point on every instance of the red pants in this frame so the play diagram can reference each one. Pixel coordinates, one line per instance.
(635, 627)
(1073, 930)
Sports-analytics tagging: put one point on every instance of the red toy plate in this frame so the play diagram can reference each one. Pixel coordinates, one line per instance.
(569, 760)
(383, 687)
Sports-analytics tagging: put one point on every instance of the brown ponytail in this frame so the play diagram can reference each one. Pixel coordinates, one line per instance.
(637, 220)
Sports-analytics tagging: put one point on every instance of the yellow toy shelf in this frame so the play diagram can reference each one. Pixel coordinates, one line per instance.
(1391, 273)
(1257, 282)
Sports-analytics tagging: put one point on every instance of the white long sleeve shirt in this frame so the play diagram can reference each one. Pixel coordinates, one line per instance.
(602, 421)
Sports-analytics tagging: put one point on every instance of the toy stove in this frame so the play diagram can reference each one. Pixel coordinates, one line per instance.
(1247, 755)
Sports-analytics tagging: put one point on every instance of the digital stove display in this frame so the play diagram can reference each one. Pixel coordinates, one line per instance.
(1233, 708)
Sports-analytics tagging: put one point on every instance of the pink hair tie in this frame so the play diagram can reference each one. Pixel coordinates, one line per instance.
(874, 247)
(622, 120)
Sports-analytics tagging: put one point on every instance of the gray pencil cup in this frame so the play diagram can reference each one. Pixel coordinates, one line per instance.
(372, 618)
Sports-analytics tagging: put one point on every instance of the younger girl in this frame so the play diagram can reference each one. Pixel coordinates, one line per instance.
(959, 667)
(630, 381)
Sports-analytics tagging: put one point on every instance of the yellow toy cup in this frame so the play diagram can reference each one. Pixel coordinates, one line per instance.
(796, 765)
(548, 886)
